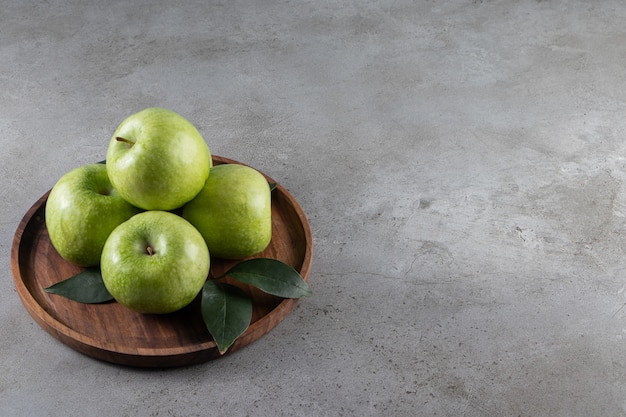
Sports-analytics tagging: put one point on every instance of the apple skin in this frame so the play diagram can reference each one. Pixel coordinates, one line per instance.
(81, 211)
(157, 160)
(233, 211)
(155, 262)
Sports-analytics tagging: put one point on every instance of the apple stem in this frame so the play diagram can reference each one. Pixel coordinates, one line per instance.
(120, 139)
(150, 251)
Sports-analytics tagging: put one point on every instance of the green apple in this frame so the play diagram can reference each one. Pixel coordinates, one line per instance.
(155, 262)
(233, 211)
(81, 211)
(157, 160)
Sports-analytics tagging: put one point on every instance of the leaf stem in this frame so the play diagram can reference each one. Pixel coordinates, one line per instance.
(219, 278)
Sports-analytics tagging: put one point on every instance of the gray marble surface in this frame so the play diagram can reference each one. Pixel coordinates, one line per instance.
(462, 165)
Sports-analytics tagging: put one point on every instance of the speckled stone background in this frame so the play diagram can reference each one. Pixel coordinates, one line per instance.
(462, 164)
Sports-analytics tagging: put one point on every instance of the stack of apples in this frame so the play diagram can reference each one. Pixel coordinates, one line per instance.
(152, 216)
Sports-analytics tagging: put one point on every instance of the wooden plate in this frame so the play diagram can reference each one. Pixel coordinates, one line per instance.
(112, 333)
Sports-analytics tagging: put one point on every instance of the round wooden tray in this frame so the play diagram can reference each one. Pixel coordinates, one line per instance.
(113, 333)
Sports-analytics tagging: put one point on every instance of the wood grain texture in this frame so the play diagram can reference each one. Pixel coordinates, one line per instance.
(113, 333)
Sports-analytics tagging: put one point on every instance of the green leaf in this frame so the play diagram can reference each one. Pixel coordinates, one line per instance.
(85, 287)
(271, 276)
(226, 311)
